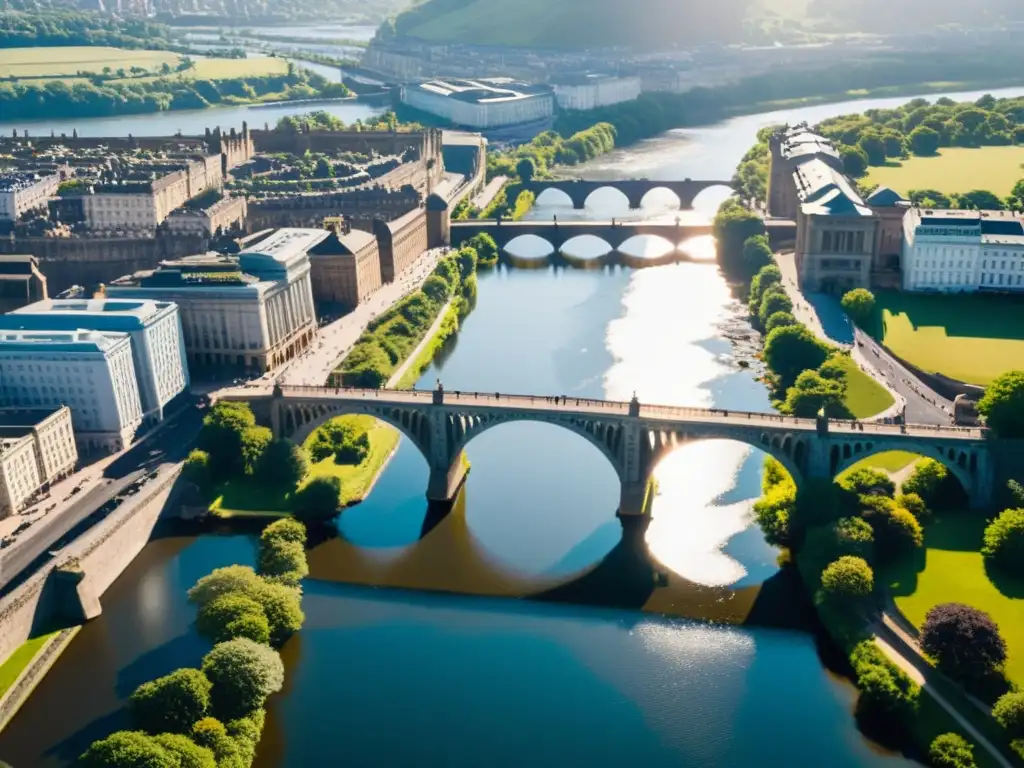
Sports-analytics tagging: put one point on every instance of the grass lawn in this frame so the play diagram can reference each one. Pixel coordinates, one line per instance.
(250, 499)
(865, 397)
(890, 461)
(64, 63)
(954, 571)
(954, 169)
(973, 338)
(20, 659)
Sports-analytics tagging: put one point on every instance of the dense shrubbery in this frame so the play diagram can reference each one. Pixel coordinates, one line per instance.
(1004, 542)
(888, 697)
(554, 148)
(394, 334)
(847, 582)
(734, 224)
(951, 750)
(1003, 405)
(859, 304)
(1009, 713)
(212, 717)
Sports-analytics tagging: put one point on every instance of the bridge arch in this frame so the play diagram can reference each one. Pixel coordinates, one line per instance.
(963, 463)
(605, 435)
(709, 198)
(299, 420)
(529, 247)
(643, 247)
(588, 248)
(792, 451)
(661, 197)
(608, 198)
(553, 197)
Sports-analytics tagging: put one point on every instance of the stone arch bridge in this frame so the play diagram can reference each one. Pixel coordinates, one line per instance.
(635, 190)
(633, 437)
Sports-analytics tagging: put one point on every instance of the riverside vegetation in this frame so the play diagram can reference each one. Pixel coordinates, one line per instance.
(213, 716)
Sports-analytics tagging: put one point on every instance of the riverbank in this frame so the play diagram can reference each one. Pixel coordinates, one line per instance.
(26, 668)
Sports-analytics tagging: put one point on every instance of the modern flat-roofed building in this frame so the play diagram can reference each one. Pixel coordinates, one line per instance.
(249, 312)
(592, 90)
(21, 282)
(960, 251)
(158, 347)
(23, 192)
(482, 103)
(90, 372)
(37, 447)
(345, 267)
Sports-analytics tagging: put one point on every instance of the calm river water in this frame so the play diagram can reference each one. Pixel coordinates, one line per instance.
(696, 654)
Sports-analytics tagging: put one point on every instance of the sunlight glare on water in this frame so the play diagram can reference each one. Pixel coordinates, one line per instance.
(658, 348)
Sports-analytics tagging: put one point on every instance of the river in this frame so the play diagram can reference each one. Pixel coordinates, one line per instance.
(697, 653)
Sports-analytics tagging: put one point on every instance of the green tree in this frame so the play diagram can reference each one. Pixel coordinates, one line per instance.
(221, 437)
(1004, 542)
(867, 481)
(914, 504)
(855, 161)
(128, 749)
(323, 169)
(774, 513)
(233, 615)
(859, 304)
(765, 278)
(893, 144)
(211, 733)
(254, 442)
(790, 350)
(284, 562)
(929, 480)
(964, 641)
(1003, 405)
(171, 703)
(757, 253)
(283, 464)
(486, 249)
(778, 320)
(526, 169)
(285, 529)
(951, 750)
(188, 753)
(243, 674)
(318, 500)
(467, 259)
(196, 470)
(924, 141)
(873, 147)
(437, 289)
(281, 604)
(732, 226)
(1009, 713)
(847, 581)
(812, 393)
(774, 300)
(979, 200)
(898, 533)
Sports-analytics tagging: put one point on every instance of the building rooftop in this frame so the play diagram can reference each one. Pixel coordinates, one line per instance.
(57, 341)
(801, 142)
(283, 249)
(344, 244)
(884, 197)
(17, 422)
(824, 191)
(138, 310)
(484, 90)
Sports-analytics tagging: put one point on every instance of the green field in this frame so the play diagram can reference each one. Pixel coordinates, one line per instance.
(250, 499)
(865, 397)
(954, 169)
(21, 658)
(973, 338)
(953, 570)
(889, 461)
(65, 63)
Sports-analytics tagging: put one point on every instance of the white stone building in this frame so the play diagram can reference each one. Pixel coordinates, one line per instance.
(37, 447)
(250, 312)
(954, 251)
(90, 372)
(22, 192)
(591, 91)
(158, 346)
(483, 103)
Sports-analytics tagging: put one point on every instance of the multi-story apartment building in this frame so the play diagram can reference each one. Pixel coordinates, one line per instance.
(344, 267)
(483, 103)
(954, 251)
(249, 312)
(158, 347)
(37, 447)
(90, 372)
(590, 91)
(22, 192)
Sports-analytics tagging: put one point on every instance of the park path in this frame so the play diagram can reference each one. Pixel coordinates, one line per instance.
(903, 651)
(427, 338)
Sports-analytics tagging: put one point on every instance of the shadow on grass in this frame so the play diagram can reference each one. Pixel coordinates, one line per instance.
(991, 316)
(902, 574)
(1009, 584)
(957, 531)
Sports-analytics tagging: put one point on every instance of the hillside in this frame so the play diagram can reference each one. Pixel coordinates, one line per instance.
(659, 24)
(575, 23)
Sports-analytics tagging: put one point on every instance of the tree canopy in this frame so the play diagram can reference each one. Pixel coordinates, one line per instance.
(1003, 404)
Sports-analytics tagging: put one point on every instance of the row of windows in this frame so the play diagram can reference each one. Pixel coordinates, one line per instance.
(842, 242)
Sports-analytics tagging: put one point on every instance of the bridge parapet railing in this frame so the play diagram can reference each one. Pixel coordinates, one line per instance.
(619, 407)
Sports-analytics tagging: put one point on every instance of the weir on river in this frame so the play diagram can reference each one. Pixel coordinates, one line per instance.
(399, 677)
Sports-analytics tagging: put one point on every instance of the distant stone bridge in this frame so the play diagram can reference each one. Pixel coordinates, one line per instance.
(633, 437)
(635, 190)
(558, 233)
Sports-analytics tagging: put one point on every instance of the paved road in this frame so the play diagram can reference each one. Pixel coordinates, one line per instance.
(924, 405)
(169, 446)
(593, 407)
